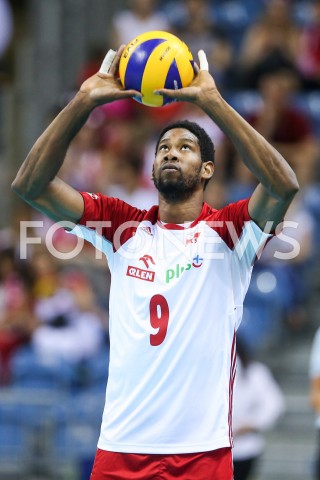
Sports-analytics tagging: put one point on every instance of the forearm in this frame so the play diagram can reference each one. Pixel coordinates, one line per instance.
(47, 155)
(264, 161)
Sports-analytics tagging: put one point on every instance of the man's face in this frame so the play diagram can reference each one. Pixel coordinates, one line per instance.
(177, 166)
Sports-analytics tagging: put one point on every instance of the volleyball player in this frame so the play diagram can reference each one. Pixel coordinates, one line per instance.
(180, 272)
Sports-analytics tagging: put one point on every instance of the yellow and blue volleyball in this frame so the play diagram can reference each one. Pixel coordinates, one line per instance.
(155, 60)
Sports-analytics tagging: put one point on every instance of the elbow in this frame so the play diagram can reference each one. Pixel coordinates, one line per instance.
(19, 188)
(295, 187)
(16, 187)
(292, 188)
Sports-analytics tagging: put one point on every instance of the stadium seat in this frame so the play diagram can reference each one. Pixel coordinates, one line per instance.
(267, 298)
(14, 441)
(77, 426)
(236, 14)
(96, 370)
(234, 17)
(28, 370)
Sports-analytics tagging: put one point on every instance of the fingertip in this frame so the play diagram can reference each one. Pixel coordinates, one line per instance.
(121, 48)
(107, 62)
(203, 60)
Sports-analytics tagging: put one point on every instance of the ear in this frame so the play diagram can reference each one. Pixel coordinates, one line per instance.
(207, 170)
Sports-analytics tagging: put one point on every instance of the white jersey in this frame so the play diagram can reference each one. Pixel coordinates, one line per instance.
(176, 300)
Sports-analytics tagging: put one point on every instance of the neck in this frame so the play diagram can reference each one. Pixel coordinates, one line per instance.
(182, 211)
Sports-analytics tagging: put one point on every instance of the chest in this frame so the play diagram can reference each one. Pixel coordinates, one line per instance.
(166, 257)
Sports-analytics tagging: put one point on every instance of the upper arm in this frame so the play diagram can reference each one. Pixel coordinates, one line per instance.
(264, 208)
(60, 202)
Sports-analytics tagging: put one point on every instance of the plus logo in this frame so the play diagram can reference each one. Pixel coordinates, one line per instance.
(197, 261)
(146, 259)
(176, 272)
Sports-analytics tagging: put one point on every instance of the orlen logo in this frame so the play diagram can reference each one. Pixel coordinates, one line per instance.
(146, 275)
(141, 274)
(146, 259)
(176, 272)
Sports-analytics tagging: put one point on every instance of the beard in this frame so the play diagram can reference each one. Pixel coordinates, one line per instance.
(179, 188)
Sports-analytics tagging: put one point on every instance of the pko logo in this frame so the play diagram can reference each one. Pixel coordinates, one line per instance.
(176, 272)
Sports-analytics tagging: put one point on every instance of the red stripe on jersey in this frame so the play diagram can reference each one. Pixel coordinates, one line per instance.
(124, 219)
(233, 368)
(229, 221)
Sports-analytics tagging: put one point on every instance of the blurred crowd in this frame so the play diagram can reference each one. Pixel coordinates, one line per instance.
(265, 58)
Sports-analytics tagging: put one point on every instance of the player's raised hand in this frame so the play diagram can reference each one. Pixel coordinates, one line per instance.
(105, 85)
(201, 88)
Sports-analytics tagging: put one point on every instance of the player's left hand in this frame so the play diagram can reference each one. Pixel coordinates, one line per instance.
(202, 88)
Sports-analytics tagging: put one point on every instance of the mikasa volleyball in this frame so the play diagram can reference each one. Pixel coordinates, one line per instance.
(155, 60)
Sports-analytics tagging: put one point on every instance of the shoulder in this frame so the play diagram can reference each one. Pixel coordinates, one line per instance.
(101, 207)
(229, 221)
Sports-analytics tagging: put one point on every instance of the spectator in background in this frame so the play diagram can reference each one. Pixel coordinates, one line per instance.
(258, 403)
(124, 139)
(314, 374)
(221, 60)
(140, 16)
(95, 55)
(46, 274)
(195, 24)
(85, 160)
(290, 131)
(71, 326)
(287, 128)
(308, 54)
(17, 318)
(128, 184)
(268, 44)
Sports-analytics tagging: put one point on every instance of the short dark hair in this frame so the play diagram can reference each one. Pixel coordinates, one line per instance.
(206, 144)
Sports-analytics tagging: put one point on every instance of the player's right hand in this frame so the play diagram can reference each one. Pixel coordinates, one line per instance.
(105, 86)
